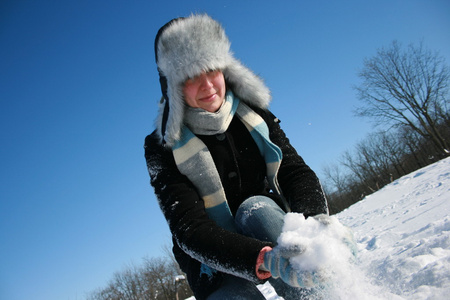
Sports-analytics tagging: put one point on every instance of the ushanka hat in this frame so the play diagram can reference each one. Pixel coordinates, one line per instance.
(187, 47)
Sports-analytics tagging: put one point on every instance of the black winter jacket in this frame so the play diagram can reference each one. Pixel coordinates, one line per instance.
(197, 239)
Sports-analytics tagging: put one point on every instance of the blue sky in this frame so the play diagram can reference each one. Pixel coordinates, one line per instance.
(78, 94)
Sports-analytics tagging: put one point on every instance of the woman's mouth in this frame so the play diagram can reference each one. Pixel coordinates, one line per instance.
(209, 98)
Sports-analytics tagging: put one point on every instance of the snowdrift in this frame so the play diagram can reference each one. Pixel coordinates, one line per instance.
(403, 234)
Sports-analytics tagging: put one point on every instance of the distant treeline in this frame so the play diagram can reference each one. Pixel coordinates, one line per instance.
(377, 161)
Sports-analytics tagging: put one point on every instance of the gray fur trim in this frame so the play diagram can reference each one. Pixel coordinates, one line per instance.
(194, 45)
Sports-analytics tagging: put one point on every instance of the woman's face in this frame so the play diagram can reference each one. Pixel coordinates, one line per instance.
(206, 91)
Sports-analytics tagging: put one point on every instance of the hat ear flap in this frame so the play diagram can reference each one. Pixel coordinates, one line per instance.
(247, 86)
(163, 84)
(165, 116)
(165, 101)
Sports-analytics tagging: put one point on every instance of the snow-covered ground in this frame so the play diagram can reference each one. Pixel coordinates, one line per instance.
(402, 234)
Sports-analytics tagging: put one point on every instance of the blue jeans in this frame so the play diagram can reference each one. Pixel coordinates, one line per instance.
(261, 218)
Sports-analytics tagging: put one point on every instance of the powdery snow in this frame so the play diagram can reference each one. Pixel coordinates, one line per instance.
(403, 234)
(402, 238)
(328, 258)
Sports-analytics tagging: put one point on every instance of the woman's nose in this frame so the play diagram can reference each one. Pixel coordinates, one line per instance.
(205, 82)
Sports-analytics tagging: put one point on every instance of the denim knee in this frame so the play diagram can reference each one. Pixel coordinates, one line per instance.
(260, 217)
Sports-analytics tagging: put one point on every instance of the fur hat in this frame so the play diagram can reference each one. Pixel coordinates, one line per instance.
(186, 47)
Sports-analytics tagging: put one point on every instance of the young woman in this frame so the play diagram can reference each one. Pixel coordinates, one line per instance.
(223, 170)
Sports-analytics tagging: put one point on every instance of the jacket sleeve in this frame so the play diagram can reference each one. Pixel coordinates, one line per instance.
(299, 184)
(193, 231)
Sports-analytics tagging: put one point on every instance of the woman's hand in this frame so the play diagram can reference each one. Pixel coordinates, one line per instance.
(276, 261)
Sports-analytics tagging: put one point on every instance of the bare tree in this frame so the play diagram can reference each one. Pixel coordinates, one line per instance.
(407, 87)
(337, 188)
(335, 178)
(156, 278)
(361, 170)
(393, 151)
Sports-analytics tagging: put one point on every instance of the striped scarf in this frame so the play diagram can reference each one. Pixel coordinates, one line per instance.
(194, 160)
